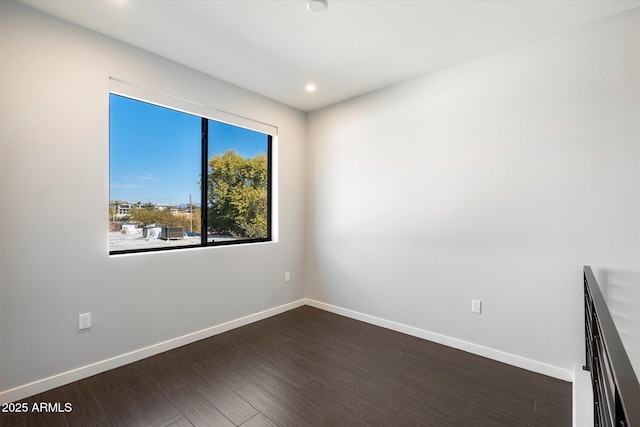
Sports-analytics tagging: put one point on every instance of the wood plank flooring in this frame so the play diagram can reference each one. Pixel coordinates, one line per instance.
(307, 367)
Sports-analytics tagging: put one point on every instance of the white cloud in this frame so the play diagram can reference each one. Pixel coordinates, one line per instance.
(125, 186)
(146, 178)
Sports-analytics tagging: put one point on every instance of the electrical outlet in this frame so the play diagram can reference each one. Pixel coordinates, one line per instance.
(84, 321)
(476, 306)
(287, 277)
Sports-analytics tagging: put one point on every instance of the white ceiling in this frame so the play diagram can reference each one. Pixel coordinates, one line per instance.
(275, 48)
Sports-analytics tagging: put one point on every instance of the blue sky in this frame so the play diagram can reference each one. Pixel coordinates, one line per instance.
(155, 152)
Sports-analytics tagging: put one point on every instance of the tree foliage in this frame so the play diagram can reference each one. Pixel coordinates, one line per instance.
(150, 214)
(237, 195)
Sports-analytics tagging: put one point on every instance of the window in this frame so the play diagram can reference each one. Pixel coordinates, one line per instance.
(180, 180)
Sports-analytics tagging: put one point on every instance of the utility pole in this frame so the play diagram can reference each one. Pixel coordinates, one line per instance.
(191, 212)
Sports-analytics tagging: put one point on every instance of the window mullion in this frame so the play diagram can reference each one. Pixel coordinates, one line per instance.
(204, 172)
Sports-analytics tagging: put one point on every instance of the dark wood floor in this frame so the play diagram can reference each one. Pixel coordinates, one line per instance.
(308, 367)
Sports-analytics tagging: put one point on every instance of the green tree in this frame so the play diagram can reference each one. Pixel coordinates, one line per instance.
(150, 214)
(145, 214)
(195, 223)
(237, 195)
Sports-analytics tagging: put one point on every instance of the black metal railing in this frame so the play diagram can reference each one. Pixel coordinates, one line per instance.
(616, 391)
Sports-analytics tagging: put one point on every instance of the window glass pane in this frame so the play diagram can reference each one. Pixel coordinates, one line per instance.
(238, 184)
(154, 176)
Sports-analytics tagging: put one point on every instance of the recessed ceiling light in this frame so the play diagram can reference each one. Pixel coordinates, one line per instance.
(317, 5)
(310, 87)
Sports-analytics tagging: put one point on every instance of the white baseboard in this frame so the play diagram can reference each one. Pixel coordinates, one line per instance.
(63, 378)
(500, 356)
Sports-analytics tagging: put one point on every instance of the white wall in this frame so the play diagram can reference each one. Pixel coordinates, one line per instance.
(54, 203)
(497, 179)
(622, 293)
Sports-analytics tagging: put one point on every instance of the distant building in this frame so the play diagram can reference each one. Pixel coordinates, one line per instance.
(123, 210)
